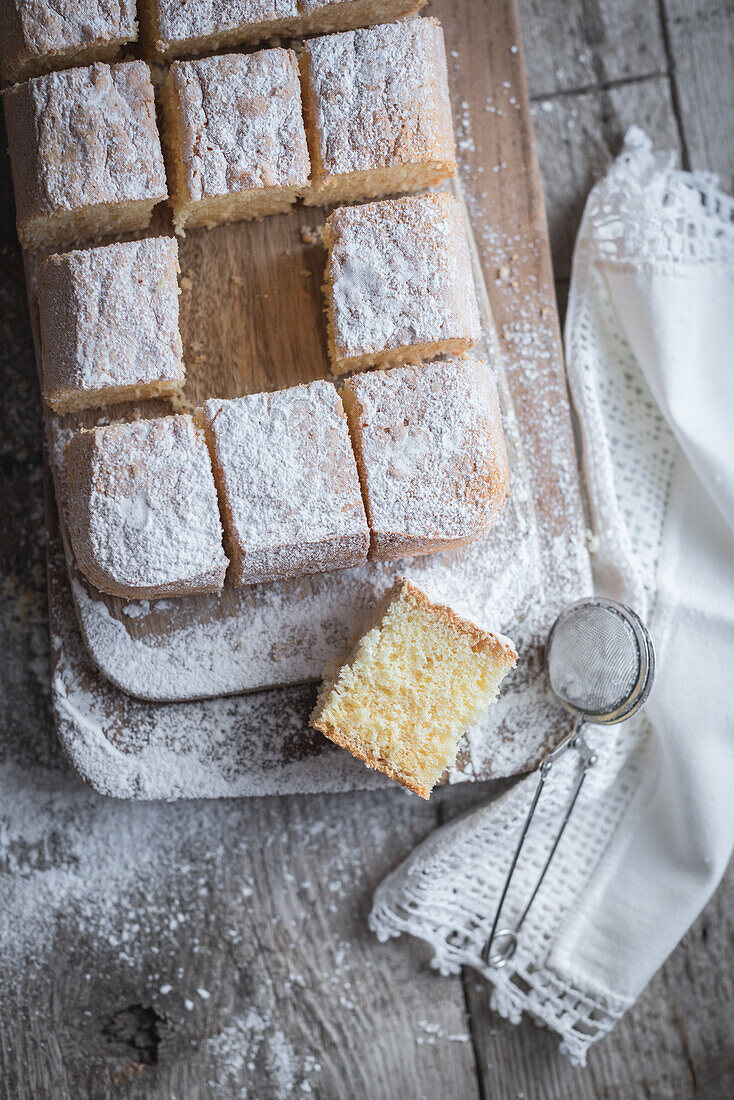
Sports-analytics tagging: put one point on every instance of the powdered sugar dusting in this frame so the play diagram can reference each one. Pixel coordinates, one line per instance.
(433, 456)
(37, 30)
(178, 22)
(143, 509)
(380, 97)
(96, 139)
(242, 123)
(289, 482)
(400, 275)
(109, 317)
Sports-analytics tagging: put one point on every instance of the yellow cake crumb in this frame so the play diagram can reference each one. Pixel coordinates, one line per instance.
(413, 684)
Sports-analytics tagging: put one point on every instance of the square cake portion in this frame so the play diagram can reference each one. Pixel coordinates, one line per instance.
(399, 285)
(235, 140)
(85, 153)
(142, 508)
(378, 116)
(431, 455)
(109, 324)
(175, 29)
(413, 684)
(288, 483)
(39, 36)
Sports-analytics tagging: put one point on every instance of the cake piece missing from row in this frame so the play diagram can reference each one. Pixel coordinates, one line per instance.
(413, 684)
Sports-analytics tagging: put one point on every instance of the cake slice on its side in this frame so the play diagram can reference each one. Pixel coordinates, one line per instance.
(413, 684)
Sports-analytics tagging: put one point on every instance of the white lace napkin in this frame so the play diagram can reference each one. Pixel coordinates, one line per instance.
(650, 354)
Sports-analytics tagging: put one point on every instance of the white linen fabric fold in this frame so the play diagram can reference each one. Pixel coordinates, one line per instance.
(650, 357)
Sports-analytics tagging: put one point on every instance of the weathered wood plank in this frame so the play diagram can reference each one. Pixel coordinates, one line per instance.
(579, 43)
(577, 137)
(701, 43)
(675, 1043)
(243, 966)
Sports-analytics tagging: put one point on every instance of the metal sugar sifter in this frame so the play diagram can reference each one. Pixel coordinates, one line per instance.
(600, 663)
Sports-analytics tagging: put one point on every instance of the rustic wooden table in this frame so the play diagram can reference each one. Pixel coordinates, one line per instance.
(239, 964)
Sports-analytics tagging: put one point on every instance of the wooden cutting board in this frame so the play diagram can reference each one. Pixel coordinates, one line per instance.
(251, 316)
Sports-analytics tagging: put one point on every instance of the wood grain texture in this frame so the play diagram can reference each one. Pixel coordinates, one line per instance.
(64, 1036)
(576, 44)
(252, 318)
(701, 43)
(255, 973)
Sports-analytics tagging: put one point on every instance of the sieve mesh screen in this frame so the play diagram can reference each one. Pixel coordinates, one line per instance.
(593, 659)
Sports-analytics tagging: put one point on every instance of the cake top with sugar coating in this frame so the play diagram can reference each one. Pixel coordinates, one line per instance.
(400, 274)
(241, 123)
(95, 139)
(143, 505)
(287, 466)
(35, 30)
(430, 439)
(380, 97)
(109, 315)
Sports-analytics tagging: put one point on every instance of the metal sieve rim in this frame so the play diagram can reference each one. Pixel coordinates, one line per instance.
(641, 688)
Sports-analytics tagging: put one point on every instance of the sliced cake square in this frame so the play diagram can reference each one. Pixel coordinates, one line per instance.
(175, 29)
(109, 324)
(399, 286)
(431, 455)
(413, 684)
(235, 140)
(85, 153)
(288, 483)
(378, 116)
(39, 36)
(142, 508)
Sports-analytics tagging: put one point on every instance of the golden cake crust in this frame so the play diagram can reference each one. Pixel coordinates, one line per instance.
(399, 285)
(172, 29)
(83, 140)
(109, 324)
(431, 455)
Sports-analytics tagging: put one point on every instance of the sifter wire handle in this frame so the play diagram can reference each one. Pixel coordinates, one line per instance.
(503, 954)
